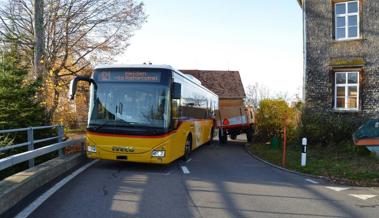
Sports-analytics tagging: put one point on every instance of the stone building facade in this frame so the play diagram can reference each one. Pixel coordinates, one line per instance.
(342, 73)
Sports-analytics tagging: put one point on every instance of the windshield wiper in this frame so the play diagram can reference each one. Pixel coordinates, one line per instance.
(106, 123)
(102, 125)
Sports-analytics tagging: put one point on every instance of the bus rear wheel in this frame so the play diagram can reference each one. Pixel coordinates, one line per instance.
(222, 136)
(187, 148)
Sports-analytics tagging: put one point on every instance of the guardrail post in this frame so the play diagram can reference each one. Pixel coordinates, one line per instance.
(30, 134)
(83, 148)
(60, 139)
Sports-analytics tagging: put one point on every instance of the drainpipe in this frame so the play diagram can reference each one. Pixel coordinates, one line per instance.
(304, 50)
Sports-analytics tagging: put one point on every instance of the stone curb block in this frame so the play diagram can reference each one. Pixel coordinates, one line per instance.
(15, 188)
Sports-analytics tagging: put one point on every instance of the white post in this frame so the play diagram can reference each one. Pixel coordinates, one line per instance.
(304, 153)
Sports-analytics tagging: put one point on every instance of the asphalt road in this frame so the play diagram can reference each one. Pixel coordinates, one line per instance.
(221, 181)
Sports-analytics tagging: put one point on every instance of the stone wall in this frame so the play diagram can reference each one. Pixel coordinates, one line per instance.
(326, 55)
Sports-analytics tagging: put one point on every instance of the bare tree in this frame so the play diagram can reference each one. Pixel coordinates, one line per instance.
(283, 95)
(255, 93)
(78, 33)
(39, 36)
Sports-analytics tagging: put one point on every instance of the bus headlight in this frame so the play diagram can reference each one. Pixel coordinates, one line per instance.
(161, 153)
(91, 148)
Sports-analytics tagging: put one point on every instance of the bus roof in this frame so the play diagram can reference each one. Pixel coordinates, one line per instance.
(190, 78)
(152, 66)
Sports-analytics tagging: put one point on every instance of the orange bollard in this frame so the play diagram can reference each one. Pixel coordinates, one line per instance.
(284, 146)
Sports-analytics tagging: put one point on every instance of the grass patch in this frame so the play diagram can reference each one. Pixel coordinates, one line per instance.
(342, 161)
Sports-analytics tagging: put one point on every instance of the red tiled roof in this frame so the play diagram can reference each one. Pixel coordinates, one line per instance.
(226, 84)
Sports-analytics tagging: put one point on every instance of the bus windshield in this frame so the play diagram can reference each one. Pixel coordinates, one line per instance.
(131, 105)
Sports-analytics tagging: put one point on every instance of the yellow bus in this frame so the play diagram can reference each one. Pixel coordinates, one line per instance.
(146, 113)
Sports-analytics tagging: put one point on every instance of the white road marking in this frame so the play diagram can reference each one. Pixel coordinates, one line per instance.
(185, 170)
(39, 201)
(155, 173)
(337, 189)
(189, 160)
(363, 197)
(311, 181)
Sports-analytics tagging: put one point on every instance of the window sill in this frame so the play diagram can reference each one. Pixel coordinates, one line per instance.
(347, 111)
(348, 40)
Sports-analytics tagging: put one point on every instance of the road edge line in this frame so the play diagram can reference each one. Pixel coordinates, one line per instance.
(41, 199)
(311, 181)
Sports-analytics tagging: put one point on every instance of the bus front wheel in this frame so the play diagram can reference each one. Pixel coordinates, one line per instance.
(187, 148)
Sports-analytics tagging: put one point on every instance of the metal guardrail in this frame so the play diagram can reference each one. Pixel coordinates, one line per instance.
(33, 153)
(29, 155)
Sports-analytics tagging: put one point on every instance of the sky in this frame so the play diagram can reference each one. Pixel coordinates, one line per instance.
(262, 39)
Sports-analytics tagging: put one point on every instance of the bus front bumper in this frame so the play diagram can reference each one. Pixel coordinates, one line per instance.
(146, 157)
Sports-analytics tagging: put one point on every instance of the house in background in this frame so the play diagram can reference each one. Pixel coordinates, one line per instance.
(226, 84)
(342, 56)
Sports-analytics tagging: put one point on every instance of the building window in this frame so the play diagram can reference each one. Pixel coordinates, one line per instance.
(347, 20)
(347, 91)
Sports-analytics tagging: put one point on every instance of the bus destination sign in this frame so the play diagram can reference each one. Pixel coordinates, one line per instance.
(129, 76)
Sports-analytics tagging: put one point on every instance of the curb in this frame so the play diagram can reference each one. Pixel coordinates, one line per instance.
(335, 181)
(15, 188)
(282, 168)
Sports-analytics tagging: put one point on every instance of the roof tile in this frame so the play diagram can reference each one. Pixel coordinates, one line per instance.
(226, 84)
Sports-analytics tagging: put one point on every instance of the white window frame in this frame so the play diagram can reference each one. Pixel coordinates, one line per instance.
(346, 16)
(346, 85)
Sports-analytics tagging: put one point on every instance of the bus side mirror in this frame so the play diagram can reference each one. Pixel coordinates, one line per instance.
(74, 84)
(176, 91)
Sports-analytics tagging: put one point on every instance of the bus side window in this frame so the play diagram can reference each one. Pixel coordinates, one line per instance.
(175, 111)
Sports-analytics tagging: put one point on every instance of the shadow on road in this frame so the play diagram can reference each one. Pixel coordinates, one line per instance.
(224, 181)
